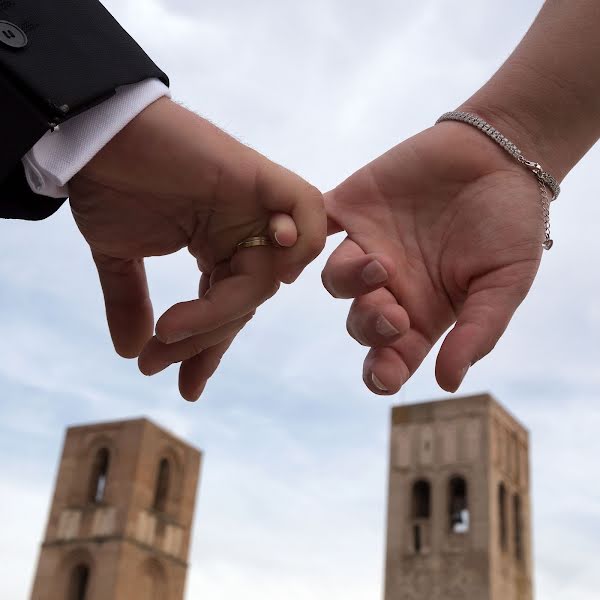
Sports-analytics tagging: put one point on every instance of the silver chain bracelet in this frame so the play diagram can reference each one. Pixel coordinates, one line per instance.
(545, 180)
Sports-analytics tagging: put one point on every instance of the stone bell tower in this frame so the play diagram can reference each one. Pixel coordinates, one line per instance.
(459, 519)
(120, 521)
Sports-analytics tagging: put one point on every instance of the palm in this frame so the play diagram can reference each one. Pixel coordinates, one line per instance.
(460, 223)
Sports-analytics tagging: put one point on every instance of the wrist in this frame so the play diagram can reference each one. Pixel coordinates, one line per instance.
(544, 118)
(166, 147)
(124, 157)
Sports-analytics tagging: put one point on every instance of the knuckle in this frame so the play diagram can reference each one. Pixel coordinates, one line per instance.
(315, 195)
(311, 195)
(195, 347)
(117, 266)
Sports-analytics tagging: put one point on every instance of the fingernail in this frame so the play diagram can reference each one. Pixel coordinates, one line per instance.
(374, 273)
(385, 328)
(277, 239)
(377, 383)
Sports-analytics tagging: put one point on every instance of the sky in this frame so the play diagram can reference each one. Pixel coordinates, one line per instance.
(293, 492)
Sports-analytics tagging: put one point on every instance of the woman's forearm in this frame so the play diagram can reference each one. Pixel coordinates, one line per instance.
(546, 96)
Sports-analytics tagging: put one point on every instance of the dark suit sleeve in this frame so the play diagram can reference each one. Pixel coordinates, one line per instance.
(75, 57)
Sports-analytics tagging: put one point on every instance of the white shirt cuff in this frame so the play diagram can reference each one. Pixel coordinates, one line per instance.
(59, 155)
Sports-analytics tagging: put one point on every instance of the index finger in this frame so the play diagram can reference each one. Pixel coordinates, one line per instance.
(251, 283)
(350, 272)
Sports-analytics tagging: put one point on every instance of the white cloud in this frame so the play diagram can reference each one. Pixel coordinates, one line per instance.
(292, 499)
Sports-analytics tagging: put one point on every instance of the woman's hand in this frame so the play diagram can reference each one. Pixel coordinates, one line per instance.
(443, 230)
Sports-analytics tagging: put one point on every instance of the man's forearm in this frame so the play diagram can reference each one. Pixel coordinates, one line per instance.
(546, 96)
(75, 58)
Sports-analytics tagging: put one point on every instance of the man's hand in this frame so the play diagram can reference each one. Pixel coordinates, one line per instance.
(445, 229)
(171, 180)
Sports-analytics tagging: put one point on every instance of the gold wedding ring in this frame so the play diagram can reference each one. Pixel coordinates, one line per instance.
(252, 242)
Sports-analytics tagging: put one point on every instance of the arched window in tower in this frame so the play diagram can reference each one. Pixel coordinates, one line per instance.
(421, 511)
(458, 505)
(161, 491)
(502, 516)
(78, 584)
(518, 533)
(421, 499)
(99, 476)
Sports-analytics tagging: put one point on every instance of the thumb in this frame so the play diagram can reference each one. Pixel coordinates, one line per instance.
(481, 322)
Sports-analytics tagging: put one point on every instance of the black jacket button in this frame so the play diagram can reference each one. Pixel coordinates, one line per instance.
(11, 35)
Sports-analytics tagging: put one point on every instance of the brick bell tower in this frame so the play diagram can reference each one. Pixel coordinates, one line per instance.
(459, 520)
(120, 521)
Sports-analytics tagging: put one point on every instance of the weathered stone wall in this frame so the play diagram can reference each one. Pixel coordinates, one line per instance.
(437, 442)
(132, 550)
